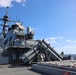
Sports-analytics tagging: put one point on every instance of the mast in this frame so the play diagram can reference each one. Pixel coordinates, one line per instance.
(5, 19)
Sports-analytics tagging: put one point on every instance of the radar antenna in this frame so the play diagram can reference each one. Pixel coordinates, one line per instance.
(5, 19)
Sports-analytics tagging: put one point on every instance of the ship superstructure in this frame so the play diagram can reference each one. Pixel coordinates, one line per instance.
(22, 48)
(15, 36)
(19, 47)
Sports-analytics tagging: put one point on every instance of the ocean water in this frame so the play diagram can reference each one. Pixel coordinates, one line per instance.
(73, 55)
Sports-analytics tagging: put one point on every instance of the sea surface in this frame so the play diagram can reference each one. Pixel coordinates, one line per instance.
(73, 55)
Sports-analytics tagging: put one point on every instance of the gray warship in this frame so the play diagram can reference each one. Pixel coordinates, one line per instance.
(19, 47)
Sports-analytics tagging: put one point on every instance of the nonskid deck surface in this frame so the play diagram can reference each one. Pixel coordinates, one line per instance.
(17, 70)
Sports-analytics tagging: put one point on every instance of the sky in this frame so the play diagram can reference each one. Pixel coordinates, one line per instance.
(52, 20)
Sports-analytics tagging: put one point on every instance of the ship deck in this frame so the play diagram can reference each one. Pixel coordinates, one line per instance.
(17, 70)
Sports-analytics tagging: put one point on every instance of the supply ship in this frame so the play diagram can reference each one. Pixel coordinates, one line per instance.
(18, 47)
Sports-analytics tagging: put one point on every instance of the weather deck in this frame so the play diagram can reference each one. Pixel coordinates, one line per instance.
(17, 70)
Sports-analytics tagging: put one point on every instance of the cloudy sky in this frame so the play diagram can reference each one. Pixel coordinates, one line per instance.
(52, 20)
